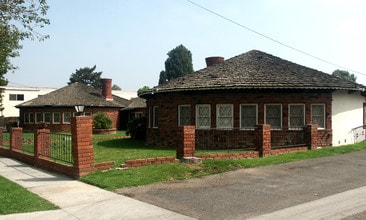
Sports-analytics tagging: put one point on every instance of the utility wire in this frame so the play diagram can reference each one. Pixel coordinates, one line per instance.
(272, 39)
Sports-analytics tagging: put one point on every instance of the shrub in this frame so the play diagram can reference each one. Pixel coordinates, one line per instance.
(137, 128)
(102, 121)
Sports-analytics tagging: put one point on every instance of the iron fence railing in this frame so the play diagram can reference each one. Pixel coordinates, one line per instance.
(28, 142)
(59, 147)
(6, 140)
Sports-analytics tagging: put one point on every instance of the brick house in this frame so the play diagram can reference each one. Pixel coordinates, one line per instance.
(56, 108)
(228, 98)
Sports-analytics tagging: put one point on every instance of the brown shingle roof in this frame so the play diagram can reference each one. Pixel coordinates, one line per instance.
(75, 94)
(136, 103)
(255, 70)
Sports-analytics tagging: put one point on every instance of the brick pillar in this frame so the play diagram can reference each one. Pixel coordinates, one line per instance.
(311, 136)
(16, 138)
(82, 145)
(42, 143)
(264, 139)
(186, 140)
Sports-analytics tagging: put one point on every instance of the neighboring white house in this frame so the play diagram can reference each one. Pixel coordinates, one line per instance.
(348, 112)
(14, 95)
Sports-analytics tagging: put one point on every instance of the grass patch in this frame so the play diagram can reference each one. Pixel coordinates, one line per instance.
(106, 136)
(16, 199)
(120, 150)
(114, 179)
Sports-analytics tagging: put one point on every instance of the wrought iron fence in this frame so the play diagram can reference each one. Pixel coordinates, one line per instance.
(222, 139)
(287, 137)
(28, 142)
(6, 140)
(57, 147)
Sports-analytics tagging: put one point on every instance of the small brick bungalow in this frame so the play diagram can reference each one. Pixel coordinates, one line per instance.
(56, 108)
(230, 97)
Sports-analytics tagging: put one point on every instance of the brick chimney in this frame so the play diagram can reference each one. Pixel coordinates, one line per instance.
(214, 60)
(107, 89)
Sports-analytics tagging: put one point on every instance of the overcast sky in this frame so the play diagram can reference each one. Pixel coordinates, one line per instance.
(128, 40)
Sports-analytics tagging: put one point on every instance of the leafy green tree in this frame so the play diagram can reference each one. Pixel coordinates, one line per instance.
(87, 76)
(344, 75)
(143, 89)
(19, 20)
(179, 63)
(116, 87)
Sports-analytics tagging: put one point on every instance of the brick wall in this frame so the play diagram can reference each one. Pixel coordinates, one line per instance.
(82, 149)
(167, 103)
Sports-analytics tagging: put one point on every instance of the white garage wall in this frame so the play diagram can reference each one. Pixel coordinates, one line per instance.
(347, 118)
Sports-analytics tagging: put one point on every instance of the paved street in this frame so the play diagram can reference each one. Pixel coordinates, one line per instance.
(248, 193)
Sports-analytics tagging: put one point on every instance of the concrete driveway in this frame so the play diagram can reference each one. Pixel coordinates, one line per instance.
(247, 193)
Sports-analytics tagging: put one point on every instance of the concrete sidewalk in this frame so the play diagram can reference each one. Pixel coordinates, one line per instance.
(77, 200)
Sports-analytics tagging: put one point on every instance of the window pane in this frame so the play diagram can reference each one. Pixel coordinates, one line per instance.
(248, 115)
(274, 116)
(296, 116)
(56, 118)
(184, 112)
(47, 117)
(318, 115)
(39, 118)
(20, 97)
(12, 97)
(203, 116)
(66, 117)
(224, 116)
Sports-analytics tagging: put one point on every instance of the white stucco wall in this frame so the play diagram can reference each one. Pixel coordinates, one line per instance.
(28, 92)
(347, 118)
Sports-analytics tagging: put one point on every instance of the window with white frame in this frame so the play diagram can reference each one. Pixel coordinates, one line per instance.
(184, 115)
(203, 116)
(56, 118)
(224, 116)
(16, 97)
(47, 117)
(296, 116)
(248, 116)
(66, 118)
(155, 116)
(318, 115)
(273, 115)
(39, 118)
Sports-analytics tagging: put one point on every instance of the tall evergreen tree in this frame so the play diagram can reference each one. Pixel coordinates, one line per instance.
(178, 64)
(87, 76)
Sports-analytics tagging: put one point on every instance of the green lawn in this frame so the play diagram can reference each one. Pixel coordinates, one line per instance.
(128, 149)
(120, 150)
(16, 199)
